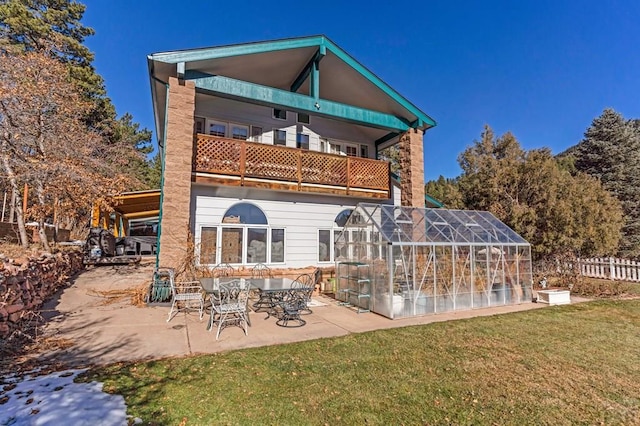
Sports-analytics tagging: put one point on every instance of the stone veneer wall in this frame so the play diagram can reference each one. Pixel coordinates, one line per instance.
(176, 197)
(25, 284)
(412, 166)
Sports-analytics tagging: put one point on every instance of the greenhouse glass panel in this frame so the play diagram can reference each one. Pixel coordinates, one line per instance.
(405, 261)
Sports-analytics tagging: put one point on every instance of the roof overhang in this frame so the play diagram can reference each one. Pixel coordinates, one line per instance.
(308, 74)
(136, 205)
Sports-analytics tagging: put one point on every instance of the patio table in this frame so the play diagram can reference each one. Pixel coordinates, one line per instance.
(272, 290)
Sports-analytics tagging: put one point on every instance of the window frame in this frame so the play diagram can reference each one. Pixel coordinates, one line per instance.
(211, 122)
(299, 143)
(256, 134)
(276, 116)
(238, 126)
(298, 120)
(202, 121)
(285, 137)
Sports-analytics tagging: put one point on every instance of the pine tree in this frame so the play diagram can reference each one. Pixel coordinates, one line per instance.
(539, 197)
(610, 151)
(54, 28)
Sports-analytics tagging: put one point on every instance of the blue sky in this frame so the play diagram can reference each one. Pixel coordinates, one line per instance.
(542, 70)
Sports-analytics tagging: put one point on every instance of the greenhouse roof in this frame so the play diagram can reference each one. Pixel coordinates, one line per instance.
(416, 225)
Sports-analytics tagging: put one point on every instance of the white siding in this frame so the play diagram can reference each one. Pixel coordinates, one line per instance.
(227, 110)
(301, 218)
(396, 192)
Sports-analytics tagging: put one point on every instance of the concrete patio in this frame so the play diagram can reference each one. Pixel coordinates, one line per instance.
(103, 333)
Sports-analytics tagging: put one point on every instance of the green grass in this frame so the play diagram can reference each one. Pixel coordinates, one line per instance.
(577, 364)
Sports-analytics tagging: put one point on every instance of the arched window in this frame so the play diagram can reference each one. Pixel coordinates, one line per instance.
(243, 237)
(342, 217)
(328, 250)
(245, 213)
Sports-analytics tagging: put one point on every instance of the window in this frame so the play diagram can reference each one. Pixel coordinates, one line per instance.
(280, 137)
(217, 129)
(364, 151)
(198, 125)
(323, 145)
(328, 249)
(342, 217)
(245, 238)
(245, 213)
(324, 245)
(303, 118)
(256, 134)
(279, 114)
(277, 245)
(257, 245)
(302, 141)
(208, 245)
(239, 132)
(232, 245)
(335, 148)
(352, 151)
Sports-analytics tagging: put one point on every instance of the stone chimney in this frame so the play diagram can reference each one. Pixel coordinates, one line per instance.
(412, 168)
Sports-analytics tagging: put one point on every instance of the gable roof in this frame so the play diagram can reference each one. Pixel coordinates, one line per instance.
(296, 71)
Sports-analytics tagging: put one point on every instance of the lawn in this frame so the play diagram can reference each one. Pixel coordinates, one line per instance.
(576, 364)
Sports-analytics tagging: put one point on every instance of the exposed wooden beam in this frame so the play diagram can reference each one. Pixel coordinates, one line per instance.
(269, 96)
(386, 138)
(311, 68)
(149, 213)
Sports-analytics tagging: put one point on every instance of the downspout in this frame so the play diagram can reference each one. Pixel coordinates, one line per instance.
(161, 144)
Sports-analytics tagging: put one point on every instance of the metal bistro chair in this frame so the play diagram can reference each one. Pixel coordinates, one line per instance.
(294, 301)
(222, 270)
(305, 284)
(186, 293)
(261, 271)
(231, 306)
(264, 300)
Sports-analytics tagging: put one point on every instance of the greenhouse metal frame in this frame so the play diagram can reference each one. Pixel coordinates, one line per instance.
(406, 261)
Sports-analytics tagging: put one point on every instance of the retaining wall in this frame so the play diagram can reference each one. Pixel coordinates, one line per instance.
(25, 284)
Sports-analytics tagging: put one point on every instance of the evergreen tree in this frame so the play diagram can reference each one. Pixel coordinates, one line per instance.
(54, 28)
(446, 191)
(610, 151)
(539, 197)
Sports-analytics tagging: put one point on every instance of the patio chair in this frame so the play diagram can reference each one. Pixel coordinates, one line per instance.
(230, 307)
(185, 293)
(294, 301)
(222, 270)
(305, 284)
(261, 271)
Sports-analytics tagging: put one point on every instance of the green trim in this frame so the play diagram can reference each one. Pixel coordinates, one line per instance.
(429, 199)
(423, 120)
(271, 97)
(237, 50)
(386, 138)
(313, 64)
(162, 160)
(349, 60)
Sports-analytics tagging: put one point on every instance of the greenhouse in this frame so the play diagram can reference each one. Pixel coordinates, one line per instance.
(404, 261)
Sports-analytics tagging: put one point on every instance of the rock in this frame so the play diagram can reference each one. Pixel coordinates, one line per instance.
(14, 308)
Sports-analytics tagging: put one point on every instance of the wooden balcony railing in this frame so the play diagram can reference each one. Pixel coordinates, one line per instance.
(238, 162)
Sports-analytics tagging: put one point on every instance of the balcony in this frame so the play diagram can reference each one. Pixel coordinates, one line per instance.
(223, 161)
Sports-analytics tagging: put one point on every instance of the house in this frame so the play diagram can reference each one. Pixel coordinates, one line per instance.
(267, 148)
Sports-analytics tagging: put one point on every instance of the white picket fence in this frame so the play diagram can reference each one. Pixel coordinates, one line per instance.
(610, 268)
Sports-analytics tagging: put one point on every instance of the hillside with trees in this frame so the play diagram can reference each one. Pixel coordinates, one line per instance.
(59, 132)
